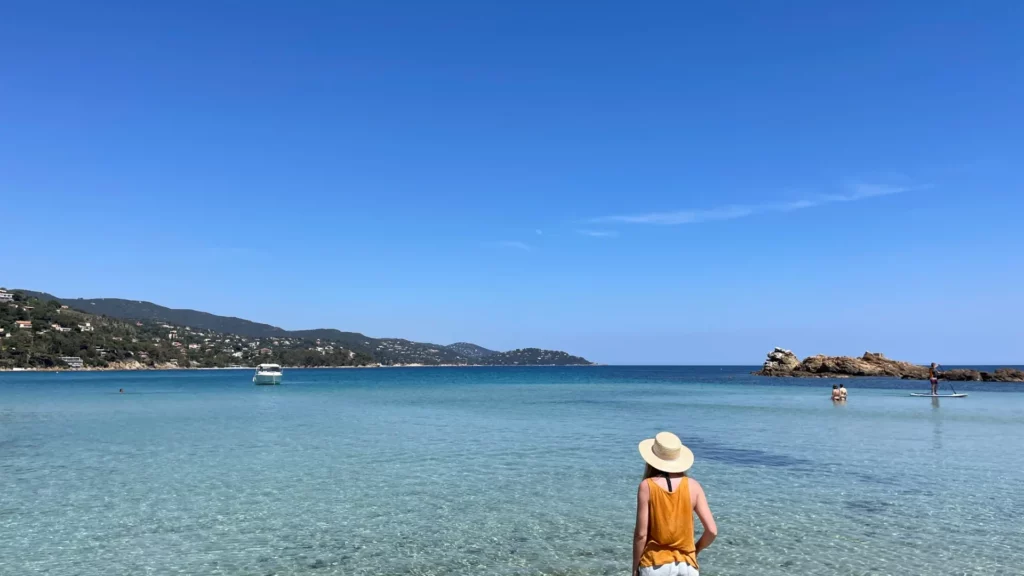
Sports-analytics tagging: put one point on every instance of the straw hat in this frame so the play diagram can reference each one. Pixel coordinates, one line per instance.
(666, 453)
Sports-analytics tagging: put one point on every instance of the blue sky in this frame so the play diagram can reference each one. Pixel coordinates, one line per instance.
(667, 183)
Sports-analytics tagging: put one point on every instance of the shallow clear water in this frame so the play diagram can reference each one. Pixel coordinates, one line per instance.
(498, 471)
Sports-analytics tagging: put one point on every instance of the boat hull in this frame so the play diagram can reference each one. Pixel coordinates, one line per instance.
(266, 379)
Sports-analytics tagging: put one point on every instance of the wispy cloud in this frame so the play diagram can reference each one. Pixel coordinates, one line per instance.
(599, 233)
(514, 244)
(539, 232)
(853, 193)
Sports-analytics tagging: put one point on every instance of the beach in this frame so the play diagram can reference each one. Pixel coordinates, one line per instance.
(496, 470)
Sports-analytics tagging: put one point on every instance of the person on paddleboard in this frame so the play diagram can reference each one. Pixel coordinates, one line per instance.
(933, 377)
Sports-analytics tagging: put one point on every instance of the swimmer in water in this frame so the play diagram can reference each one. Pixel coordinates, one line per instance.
(120, 390)
(836, 396)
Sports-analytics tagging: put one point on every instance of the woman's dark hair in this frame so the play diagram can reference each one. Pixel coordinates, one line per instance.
(834, 386)
(651, 472)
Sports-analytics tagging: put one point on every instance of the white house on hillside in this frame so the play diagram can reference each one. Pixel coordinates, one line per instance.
(72, 361)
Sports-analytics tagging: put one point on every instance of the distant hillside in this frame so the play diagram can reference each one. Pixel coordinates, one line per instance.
(383, 350)
(470, 350)
(534, 357)
(140, 310)
(40, 333)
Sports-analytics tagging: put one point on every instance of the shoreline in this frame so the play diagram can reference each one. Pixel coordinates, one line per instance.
(178, 368)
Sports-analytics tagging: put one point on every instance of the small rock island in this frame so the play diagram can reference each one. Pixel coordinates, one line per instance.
(784, 363)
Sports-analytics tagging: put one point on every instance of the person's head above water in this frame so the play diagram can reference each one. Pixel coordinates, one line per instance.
(835, 386)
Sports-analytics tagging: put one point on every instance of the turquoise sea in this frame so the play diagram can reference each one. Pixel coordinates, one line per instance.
(508, 471)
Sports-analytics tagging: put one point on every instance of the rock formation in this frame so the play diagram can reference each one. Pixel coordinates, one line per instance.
(784, 363)
(780, 359)
(999, 375)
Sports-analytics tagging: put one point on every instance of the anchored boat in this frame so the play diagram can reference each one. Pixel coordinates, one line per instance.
(267, 374)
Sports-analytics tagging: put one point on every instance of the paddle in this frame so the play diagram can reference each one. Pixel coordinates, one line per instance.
(948, 382)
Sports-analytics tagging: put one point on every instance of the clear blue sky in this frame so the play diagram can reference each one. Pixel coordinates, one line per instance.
(652, 183)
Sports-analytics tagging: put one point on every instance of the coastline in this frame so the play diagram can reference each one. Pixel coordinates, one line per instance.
(170, 367)
(783, 363)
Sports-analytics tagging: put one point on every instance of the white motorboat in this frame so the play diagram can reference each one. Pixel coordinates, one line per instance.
(267, 374)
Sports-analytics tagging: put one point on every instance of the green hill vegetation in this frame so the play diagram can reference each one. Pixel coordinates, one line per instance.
(45, 334)
(470, 350)
(38, 329)
(533, 357)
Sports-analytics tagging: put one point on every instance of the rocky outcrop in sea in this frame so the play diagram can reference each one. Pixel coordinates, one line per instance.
(784, 363)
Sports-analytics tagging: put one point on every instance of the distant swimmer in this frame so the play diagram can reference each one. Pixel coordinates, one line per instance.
(933, 377)
(842, 392)
(120, 390)
(836, 394)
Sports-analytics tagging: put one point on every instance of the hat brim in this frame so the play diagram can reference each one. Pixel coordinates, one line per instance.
(681, 464)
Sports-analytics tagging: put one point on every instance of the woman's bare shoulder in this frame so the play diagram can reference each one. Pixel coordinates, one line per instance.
(643, 492)
(694, 485)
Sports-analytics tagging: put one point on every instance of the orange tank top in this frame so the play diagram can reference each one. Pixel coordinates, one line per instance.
(670, 529)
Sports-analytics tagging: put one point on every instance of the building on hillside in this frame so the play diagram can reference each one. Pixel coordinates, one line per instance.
(138, 324)
(63, 306)
(265, 351)
(72, 361)
(86, 327)
(193, 346)
(23, 324)
(6, 296)
(59, 328)
(176, 344)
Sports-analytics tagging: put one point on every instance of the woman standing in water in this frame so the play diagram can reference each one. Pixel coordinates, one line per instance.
(663, 542)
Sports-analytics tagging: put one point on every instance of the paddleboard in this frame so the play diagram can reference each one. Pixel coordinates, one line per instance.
(919, 395)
